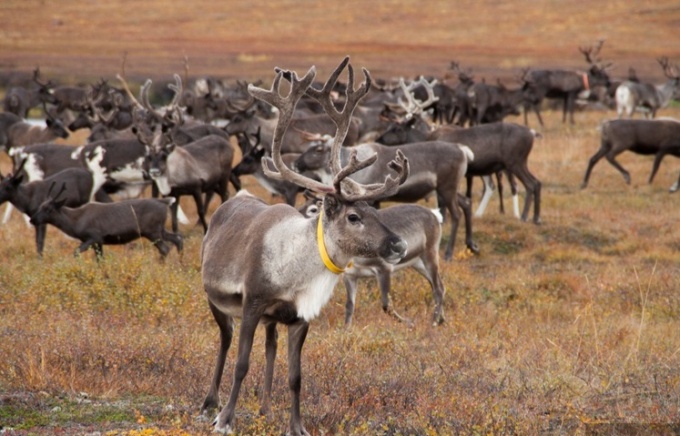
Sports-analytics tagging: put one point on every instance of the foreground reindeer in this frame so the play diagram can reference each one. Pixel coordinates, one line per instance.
(269, 264)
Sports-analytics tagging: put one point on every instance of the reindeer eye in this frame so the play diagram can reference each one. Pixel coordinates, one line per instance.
(353, 218)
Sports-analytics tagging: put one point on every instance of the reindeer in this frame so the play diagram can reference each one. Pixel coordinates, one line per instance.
(7, 119)
(24, 133)
(199, 167)
(461, 113)
(565, 84)
(421, 229)
(20, 100)
(658, 137)
(497, 147)
(27, 197)
(437, 166)
(492, 103)
(646, 97)
(73, 98)
(286, 266)
(96, 224)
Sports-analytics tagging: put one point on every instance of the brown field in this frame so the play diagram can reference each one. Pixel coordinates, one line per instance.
(570, 327)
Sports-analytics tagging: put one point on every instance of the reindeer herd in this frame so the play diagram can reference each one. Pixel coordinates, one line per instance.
(346, 147)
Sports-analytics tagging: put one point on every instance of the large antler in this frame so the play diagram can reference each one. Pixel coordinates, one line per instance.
(413, 106)
(121, 78)
(590, 52)
(342, 185)
(670, 71)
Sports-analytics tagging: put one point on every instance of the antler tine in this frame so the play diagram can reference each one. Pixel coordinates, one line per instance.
(414, 105)
(123, 81)
(353, 191)
(342, 119)
(286, 106)
(669, 70)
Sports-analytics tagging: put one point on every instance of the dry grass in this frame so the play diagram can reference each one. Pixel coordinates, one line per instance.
(568, 327)
(557, 328)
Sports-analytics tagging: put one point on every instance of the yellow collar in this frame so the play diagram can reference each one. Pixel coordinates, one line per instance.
(322, 249)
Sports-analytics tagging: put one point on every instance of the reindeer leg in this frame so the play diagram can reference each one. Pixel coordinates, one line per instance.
(429, 268)
(465, 205)
(591, 163)
(611, 158)
(40, 231)
(499, 182)
(224, 423)
(488, 192)
(201, 210)
(657, 161)
(296, 338)
(270, 353)
(350, 283)
(384, 284)
(8, 213)
(675, 186)
(226, 326)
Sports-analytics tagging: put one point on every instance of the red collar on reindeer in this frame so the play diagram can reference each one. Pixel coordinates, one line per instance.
(586, 83)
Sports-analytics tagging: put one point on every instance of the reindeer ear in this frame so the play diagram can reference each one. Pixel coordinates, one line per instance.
(331, 205)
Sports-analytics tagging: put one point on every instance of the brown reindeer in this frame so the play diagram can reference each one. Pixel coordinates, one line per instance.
(286, 266)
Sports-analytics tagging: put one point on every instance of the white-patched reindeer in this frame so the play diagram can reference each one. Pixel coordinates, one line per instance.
(646, 97)
(269, 264)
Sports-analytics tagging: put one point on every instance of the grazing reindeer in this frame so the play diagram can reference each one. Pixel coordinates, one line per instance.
(658, 137)
(96, 224)
(564, 84)
(421, 229)
(286, 265)
(631, 96)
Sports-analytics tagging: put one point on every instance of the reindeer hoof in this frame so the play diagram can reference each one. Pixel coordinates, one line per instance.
(473, 248)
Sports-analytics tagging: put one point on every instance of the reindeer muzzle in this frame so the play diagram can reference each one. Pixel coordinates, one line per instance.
(394, 250)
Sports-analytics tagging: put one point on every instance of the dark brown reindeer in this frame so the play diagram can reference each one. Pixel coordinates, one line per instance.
(658, 137)
(492, 103)
(496, 147)
(27, 197)
(461, 113)
(565, 85)
(97, 224)
(647, 97)
(282, 271)
(72, 98)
